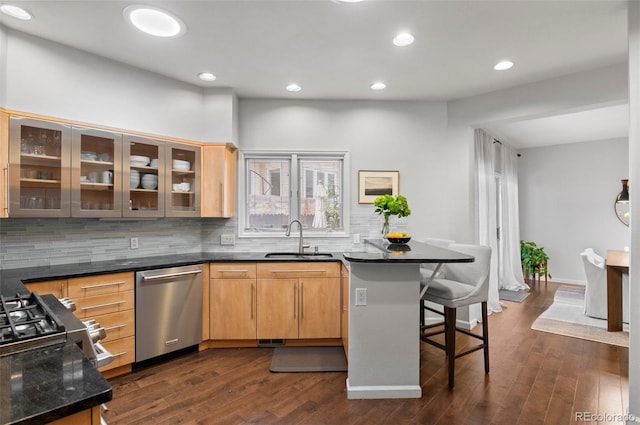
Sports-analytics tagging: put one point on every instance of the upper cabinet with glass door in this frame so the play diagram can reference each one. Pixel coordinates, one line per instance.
(183, 180)
(96, 173)
(143, 177)
(39, 168)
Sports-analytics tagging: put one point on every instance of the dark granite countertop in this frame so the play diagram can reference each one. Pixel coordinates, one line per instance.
(45, 384)
(412, 252)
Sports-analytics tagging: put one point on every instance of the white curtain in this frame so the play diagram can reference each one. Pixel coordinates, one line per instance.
(486, 213)
(495, 162)
(510, 267)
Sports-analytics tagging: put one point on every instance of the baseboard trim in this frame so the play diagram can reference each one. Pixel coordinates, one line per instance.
(382, 391)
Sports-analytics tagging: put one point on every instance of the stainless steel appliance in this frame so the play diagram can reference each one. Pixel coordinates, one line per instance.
(31, 321)
(168, 310)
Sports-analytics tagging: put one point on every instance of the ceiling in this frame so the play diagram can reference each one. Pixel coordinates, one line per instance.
(335, 50)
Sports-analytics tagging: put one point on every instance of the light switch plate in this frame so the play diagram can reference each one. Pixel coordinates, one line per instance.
(134, 243)
(229, 239)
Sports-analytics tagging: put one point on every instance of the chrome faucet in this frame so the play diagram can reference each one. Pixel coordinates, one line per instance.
(301, 247)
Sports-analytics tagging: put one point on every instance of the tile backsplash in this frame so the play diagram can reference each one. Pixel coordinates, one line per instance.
(26, 242)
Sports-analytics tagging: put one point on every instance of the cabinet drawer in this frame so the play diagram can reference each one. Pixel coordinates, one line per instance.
(297, 269)
(232, 270)
(102, 284)
(56, 287)
(87, 307)
(123, 351)
(118, 325)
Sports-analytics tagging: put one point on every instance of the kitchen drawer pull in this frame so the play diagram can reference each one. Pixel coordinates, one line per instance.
(232, 271)
(171, 341)
(295, 297)
(298, 271)
(122, 353)
(301, 300)
(111, 328)
(102, 285)
(103, 305)
(163, 276)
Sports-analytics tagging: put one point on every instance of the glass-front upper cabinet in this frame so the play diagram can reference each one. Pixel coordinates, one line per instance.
(183, 180)
(96, 177)
(143, 177)
(39, 168)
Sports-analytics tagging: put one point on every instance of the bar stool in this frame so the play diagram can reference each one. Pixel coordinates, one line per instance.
(465, 284)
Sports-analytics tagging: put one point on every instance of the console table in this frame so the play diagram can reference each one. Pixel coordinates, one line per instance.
(617, 264)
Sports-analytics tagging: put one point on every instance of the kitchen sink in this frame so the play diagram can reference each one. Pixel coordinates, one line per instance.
(296, 255)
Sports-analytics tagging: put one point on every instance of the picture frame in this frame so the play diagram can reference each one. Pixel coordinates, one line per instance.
(373, 183)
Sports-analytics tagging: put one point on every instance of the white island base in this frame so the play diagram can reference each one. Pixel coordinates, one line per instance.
(384, 340)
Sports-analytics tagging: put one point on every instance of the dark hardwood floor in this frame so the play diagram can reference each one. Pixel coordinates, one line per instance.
(536, 378)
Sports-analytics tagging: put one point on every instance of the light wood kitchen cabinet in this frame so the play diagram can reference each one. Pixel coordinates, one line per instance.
(233, 301)
(219, 164)
(298, 300)
(182, 185)
(56, 287)
(108, 299)
(39, 168)
(344, 281)
(96, 173)
(139, 200)
(86, 417)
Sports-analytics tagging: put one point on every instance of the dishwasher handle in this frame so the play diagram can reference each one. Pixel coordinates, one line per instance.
(176, 274)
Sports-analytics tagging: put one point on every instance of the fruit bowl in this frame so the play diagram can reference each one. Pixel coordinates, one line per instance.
(399, 240)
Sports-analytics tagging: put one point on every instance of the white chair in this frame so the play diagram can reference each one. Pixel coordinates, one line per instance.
(426, 269)
(595, 293)
(465, 284)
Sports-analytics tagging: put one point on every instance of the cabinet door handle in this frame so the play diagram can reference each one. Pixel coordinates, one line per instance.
(102, 305)
(221, 200)
(111, 328)
(102, 285)
(233, 271)
(301, 300)
(298, 271)
(8, 192)
(295, 296)
(121, 353)
(252, 289)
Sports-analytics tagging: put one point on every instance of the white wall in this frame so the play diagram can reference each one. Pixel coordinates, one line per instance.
(566, 201)
(51, 79)
(405, 136)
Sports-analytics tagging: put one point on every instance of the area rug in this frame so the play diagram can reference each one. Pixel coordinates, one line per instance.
(566, 317)
(308, 359)
(515, 296)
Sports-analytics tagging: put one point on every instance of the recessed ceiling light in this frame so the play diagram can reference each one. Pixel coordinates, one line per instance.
(207, 76)
(403, 39)
(502, 65)
(16, 12)
(378, 86)
(293, 87)
(154, 21)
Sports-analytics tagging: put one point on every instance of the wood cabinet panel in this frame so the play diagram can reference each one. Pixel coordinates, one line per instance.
(56, 287)
(88, 307)
(123, 351)
(118, 325)
(233, 309)
(232, 270)
(218, 180)
(319, 308)
(295, 270)
(277, 308)
(101, 284)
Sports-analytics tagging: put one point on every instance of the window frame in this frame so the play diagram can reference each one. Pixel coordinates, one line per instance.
(295, 186)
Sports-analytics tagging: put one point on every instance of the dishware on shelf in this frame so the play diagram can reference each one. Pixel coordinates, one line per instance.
(94, 176)
(181, 187)
(107, 177)
(88, 156)
(134, 182)
(149, 181)
(139, 160)
(178, 164)
(84, 179)
(104, 157)
(154, 163)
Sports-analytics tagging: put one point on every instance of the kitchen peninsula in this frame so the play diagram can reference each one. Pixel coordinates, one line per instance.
(384, 341)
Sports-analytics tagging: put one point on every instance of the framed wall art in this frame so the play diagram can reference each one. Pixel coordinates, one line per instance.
(373, 183)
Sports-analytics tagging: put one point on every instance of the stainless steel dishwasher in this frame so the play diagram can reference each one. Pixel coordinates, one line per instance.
(168, 310)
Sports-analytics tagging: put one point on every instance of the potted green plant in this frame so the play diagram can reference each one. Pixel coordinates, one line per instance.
(388, 205)
(534, 259)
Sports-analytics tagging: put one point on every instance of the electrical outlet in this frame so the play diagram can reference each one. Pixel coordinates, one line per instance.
(356, 238)
(227, 239)
(361, 296)
(134, 243)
